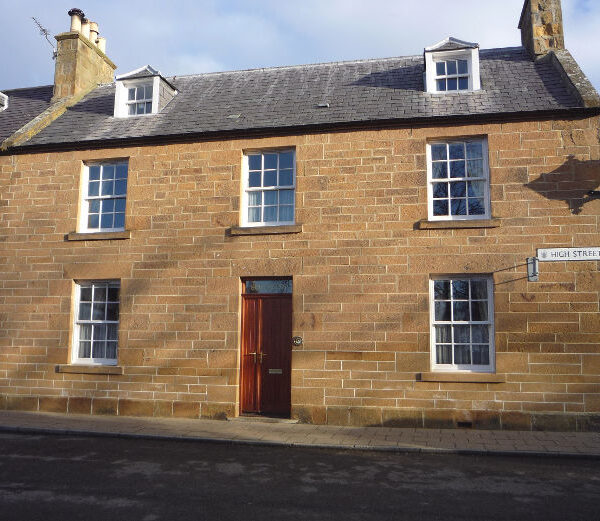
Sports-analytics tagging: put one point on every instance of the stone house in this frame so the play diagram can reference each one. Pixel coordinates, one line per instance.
(342, 243)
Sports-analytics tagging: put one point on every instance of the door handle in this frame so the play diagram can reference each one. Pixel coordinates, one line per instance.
(262, 355)
(254, 355)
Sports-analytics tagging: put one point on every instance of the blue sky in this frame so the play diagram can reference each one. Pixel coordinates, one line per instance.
(193, 36)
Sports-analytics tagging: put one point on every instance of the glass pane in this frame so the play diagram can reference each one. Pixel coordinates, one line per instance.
(460, 289)
(476, 207)
(271, 197)
(286, 160)
(286, 177)
(85, 294)
(457, 150)
(121, 172)
(121, 187)
(475, 168)
(85, 332)
(94, 173)
(439, 170)
(139, 93)
(93, 189)
(148, 107)
(462, 354)
(107, 221)
(462, 334)
(460, 311)
(85, 311)
(94, 206)
(99, 332)
(148, 92)
(441, 85)
(132, 109)
(119, 220)
(480, 334)
(443, 354)
(99, 294)
(255, 198)
(270, 161)
(139, 109)
(98, 313)
(442, 335)
(481, 355)
(112, 312)
(440, 190)
(286, 197)
(438, 152)
(108, 205)
(99, 349)
(479, 289)
(131, 94)
(474, 150)
(120, 205)
(107, 187)
(440, 68)
(463, 67)
(269, 286)
(254, 179)
(270, 213)
(93, 221)
(270, 178)
(254, 215)
(108, 172)
(286, 213)
(458, 189)
(442, 311)
(255, 162)
(440, 207)
(85, 349)
(479, 310)
(463, 83)
(475, 188)
(457, 169)
(458, 207)
(113, 294)
(451, 67)
(112, 332)
(111, 350)
(441, 290)
(452, 84)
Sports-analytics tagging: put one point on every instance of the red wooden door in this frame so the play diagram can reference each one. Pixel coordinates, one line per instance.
(266, 354)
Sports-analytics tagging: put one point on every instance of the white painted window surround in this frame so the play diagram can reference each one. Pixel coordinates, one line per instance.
(122, 97)
(470, 54)
(3, 101)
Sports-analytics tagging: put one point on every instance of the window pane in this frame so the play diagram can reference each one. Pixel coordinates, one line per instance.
(108, 172)
(474, 150)
(286, 160)
(463, 83)
(271, 197)
(286, 197)
(112, 312)
(286, 213)
(462, 334)
(140, 108)
(121, 187)
(113, 294)
(480, 334)
(99, 349)
(440, 190)
(85, 332)
(440, 207)
(460, 289)
(286, 178)
(443, 335)
(148, 92)
(94, 173)
(475, 168)
(99, 294)
(438, 152)
(108, 205)
(107, 187)
(476, 207)
(98, 311)
(462, 354)
(254, 179)
(131, 94)
(440, 68)
(93, 189)
(481, 355)
(121, 172)
(451, 67)
(255, 198)
(270, 161)
(132, 109)
(111, 350)
(270, 178)
(85, 294)
(139, 93)
(441, 85)
(479, 289)
(107, 221)
(119, 220)
(120, 205)
(93, 221)
(457, 150)
(439, 170)
(85, 311)
(458, 189)
(269, 286)
(112, 332)
(254, 215)
(148, 107)
(463, 67)
(99, 332)
(458, 207)
(479, 310)
(442, 311)
(270, 213)
(441, 289)
(457, 169)
(452, 84)
(460, 311)
(443, 354)
(85, 349)
(255, 162)
(94, 206)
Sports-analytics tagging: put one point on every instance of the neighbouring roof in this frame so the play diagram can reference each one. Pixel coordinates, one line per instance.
(320, 95)
(23, 106)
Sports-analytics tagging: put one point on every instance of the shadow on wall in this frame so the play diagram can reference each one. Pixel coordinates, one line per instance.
(571, 182)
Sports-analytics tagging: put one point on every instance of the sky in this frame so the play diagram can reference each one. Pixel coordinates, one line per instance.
(193, 36)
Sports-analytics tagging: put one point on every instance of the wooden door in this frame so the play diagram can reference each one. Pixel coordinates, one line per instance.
(266, 354)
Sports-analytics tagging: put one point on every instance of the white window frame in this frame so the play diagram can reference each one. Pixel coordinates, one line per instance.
(470, 55)
(466, 368)
(78, 324)
(247, 189)
(485, 179)
(3, 101)
(86, 199)
(122, 95)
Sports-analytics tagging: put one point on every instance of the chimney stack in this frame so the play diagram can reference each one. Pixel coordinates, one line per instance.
(80, 61)
(541, 27)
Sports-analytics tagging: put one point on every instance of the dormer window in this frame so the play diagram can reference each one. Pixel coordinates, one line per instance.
(452, 65)
(3, 101)
(142, 92)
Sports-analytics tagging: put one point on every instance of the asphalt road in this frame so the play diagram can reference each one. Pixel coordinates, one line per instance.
(71, 478)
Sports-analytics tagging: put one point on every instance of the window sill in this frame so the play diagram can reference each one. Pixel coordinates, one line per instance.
(98, 236)
(482, 378)
(424, 224)
(89, 369)
(264, 230)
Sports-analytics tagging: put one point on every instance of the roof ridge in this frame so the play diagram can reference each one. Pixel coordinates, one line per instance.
(27, 88)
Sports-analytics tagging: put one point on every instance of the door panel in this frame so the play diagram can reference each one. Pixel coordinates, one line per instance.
(266, 354)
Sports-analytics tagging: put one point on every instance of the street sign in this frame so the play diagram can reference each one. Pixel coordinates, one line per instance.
(590, 253)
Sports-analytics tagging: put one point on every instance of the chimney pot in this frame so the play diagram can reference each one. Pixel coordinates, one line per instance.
(76, 16)
(101, 42)
(85, 28)
(93, 32)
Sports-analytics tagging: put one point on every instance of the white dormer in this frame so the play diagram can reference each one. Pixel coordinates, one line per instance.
(452, 65)
(3, 101)
(141, 92)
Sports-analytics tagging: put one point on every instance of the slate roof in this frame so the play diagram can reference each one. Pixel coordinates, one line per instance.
(23, 106)
(358, 92)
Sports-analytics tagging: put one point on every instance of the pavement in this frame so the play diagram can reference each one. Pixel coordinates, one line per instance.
(263, 431)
